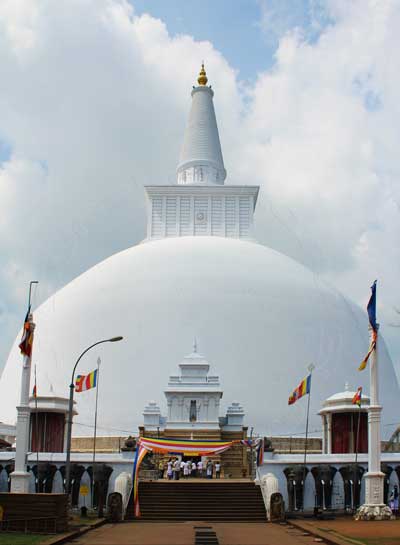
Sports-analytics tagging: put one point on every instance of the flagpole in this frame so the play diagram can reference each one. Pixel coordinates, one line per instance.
(374, 506)
(37, 436)
(311, 367)
(95, 423)
(356, 457)
(20, 476)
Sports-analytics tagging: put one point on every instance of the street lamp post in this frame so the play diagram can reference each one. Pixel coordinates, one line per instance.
(70, 409)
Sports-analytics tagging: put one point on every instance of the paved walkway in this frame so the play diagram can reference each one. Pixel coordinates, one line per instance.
(385, 532)
(183, 534)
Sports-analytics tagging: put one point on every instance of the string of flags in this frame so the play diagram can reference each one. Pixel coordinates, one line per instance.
(258, 444)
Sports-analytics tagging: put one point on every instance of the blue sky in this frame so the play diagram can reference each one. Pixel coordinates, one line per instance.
(246, 32)
(233, 28)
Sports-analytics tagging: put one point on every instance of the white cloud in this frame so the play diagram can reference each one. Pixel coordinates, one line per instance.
(277, 17)
(321, 140)
(93, 103)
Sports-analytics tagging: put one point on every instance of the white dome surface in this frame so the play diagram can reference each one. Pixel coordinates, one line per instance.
(260, 318)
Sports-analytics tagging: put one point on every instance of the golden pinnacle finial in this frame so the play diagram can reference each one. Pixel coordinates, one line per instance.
(202, 79)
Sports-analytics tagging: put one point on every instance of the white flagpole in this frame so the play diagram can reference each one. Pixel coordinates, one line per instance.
(310, 368)
(356, 457)
(20, 476)
(374, 508)
(37, 436)
(95, 423)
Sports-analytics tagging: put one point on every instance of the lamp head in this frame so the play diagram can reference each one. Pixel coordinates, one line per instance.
(115, 339)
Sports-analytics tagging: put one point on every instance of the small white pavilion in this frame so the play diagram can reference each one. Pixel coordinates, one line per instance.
(193, 401)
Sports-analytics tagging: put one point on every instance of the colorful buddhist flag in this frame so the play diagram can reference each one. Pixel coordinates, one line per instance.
(357, 397)
(302, 389)
(27, 336)
(34, 392)
(248, 442)
(86, 382)
(371, 309)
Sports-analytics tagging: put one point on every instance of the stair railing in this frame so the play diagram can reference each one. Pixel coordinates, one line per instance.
(126, 501)
(123, 485)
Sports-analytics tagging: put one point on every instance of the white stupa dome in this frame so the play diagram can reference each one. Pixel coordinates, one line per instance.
(259, 316)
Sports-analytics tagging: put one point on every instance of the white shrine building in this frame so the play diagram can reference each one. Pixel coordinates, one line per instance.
(193, 399)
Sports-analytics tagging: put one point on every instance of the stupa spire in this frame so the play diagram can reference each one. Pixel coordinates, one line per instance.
(200, 204)
(201, 159)
(202, 79)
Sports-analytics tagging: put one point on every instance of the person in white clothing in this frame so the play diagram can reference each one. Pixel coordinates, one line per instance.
(186, 469)
(177, 469)
(200, 468)
(193, 469)
(169, 470)
(217, 470)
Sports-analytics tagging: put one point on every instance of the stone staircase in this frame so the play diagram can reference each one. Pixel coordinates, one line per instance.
(221, 501)
(234, 461)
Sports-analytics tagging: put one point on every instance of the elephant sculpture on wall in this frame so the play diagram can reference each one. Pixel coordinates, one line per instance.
(323, 477)
(295, 476)
(100, 477)
(352, 476)
(77, 471)
(44, 475)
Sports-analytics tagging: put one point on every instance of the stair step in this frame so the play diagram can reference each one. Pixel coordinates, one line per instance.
(203, 501)
(205, 537)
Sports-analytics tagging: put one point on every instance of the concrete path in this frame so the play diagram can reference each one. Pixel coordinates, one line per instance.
(183, 534)
(341, 530)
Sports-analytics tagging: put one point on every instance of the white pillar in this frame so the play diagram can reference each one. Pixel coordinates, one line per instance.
(329, 426)
(374, 477)
(20, 476)
(374, 508)
(324, 441)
